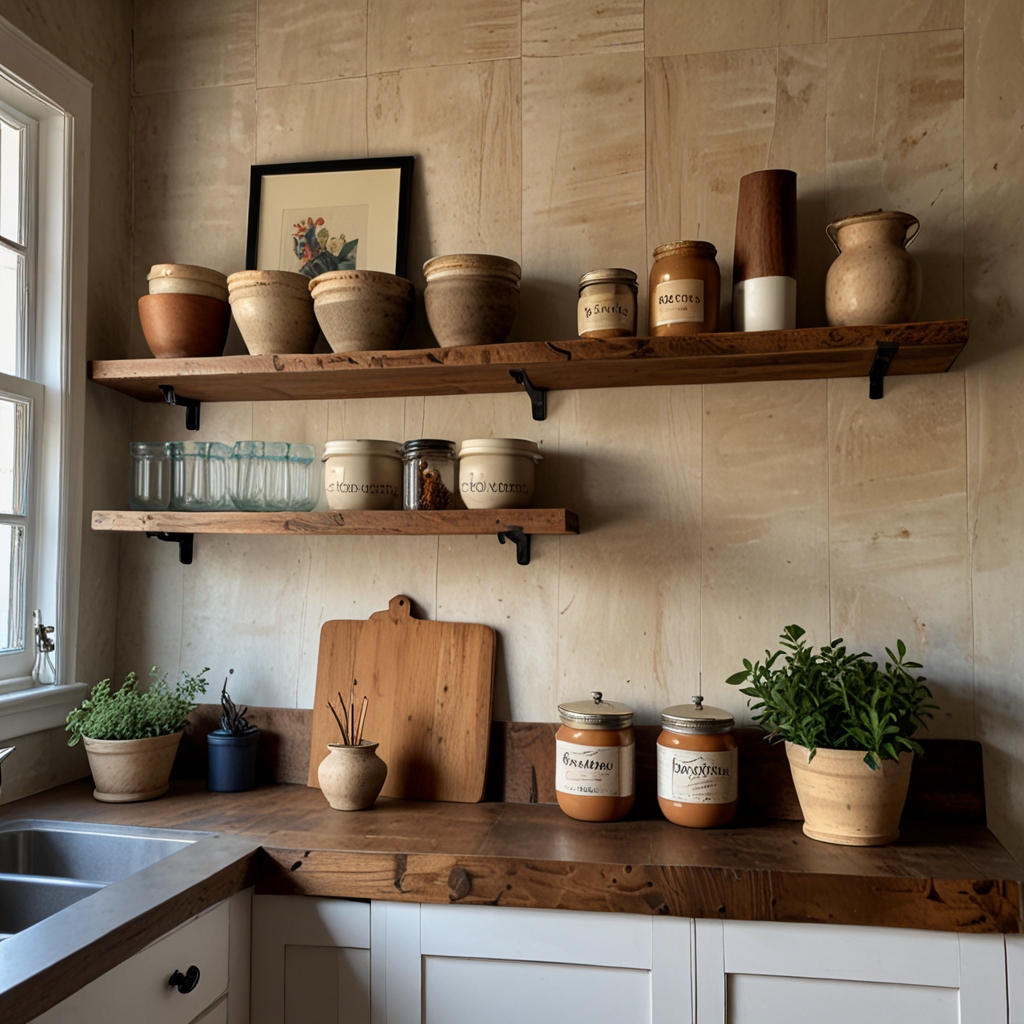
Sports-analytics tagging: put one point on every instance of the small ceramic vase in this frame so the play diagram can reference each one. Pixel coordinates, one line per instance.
(352, 777)
(874, 280)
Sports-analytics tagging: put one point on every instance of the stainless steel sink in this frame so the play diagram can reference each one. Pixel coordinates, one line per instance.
(46, 866)
(90, 853)
(25, 901)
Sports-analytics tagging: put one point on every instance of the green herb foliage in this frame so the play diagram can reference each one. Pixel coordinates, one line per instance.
(128, 714)
(837, 700)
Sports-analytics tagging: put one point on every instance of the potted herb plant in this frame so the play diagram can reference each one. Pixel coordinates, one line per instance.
(231, 749)
(131, 737)
(351, 776)
(849, 729)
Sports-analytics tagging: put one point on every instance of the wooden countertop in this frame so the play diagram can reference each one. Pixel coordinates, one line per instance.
(940, 876)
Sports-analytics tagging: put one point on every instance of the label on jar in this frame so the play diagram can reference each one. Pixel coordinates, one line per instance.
(679, 302)
(697, 776)
(594, 771)
(604, 312)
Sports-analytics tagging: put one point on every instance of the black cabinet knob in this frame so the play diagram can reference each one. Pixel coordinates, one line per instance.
(185, 982)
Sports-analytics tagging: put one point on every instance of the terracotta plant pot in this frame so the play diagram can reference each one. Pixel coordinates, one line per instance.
(274, 311)
(126, 771)
(471, 299)
(186, 279)
(351, 777)
(844, 801)
(874, 280)
(180, 326)
(362, 310)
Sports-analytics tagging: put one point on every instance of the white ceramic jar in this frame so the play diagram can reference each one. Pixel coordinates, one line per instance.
(363, 474)
(497, 472)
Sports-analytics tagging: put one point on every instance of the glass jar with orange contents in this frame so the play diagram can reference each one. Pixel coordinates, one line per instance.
(595, 764)
(697, 765)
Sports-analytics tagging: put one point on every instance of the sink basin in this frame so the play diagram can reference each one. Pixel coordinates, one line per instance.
(26, 901)
(90, 853)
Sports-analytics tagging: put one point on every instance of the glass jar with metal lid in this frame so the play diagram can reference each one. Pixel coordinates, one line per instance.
(596, 756)
(697, 765)
(607, 304)
(428, 474)
(685, 289)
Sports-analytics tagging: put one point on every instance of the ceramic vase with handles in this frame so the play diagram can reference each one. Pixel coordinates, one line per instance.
(351, 777)
(874, 280)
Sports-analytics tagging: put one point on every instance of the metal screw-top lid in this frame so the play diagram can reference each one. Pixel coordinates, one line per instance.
(696, 718)
(691, 247)
(423, 444)
(608, 275)
(596, 713)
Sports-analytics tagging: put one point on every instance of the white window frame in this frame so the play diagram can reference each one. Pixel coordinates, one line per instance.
(59, 100)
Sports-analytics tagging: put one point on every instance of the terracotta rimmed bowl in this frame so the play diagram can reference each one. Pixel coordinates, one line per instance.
(471, 299)
(187, 279)
(362, 310)
(274, 311)
(180, 326)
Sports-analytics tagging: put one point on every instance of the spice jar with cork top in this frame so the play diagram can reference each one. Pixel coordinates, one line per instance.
(595, 759)
(697, 765)
(685, 289)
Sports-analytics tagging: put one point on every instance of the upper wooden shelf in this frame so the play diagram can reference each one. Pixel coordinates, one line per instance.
(803, 354)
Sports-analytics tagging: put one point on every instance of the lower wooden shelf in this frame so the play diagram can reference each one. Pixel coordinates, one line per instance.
(514, 525)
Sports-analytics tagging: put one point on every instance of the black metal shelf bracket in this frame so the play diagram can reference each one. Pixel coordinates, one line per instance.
(183, 540)
(538, 396)
(884, 352)
(515, 535)
(190, 405)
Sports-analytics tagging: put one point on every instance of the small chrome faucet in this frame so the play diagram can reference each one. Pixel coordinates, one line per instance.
(5, 752)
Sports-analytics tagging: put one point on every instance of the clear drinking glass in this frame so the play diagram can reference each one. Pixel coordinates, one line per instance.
(303, 478)
(200, 476)
(150, 489)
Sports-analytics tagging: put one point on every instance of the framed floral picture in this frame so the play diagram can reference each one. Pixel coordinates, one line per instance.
(312, 218)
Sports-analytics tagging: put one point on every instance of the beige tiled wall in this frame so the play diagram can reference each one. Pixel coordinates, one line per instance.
(568, 135)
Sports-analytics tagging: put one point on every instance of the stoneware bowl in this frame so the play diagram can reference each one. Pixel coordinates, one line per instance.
(471, 299)
(185, 279)
(362, 310)
(274, 311)
(179, 325)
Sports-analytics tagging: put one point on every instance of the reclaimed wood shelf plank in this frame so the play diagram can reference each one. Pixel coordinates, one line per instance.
(536, 521)
(802, 354)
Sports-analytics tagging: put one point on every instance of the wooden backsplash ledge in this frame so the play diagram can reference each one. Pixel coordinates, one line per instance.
(947, 785)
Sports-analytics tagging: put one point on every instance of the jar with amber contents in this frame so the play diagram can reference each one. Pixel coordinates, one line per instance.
(697, 765)
(595, 764)
(685, 288)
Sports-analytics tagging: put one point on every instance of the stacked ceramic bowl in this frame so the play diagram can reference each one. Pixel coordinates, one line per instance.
(186, 312)
(362, 310)
(471, 299)
(274, 311)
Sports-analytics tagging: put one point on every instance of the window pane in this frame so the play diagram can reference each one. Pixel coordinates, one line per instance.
(10, 181)
(14, 455)
(11, 278)
(12, 587)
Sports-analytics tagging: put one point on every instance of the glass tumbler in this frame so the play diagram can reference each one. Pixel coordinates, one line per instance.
(201, 476)
(150, 489)
(303, 479)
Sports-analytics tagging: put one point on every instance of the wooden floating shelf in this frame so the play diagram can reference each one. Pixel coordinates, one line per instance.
(514, 525)
(808, 353)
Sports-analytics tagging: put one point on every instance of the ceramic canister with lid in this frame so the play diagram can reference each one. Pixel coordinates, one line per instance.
(497, 472)
(685, 289)
(595, 759)
(363, 474)
(697, 765)
(607, 304)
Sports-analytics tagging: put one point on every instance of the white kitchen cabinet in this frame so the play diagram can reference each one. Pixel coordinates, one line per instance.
(1015, 977)
(310, 961)
(750, 972)
(217, 942)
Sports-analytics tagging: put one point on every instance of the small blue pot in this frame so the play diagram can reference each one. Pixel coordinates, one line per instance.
(232, 760)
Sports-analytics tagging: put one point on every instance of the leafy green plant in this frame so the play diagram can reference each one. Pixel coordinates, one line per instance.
(837, 700)
(128, 714)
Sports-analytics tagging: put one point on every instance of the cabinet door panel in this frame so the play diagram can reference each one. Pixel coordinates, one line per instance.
(1015, 977)
(326, 985)
(458, 990)
(755, 999)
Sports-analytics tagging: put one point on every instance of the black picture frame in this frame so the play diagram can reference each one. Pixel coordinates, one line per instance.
(402, 163)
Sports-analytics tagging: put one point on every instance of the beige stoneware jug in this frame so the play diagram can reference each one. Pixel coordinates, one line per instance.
(874, 280)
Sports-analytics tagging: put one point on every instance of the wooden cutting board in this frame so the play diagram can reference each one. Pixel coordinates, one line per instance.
(430, 686)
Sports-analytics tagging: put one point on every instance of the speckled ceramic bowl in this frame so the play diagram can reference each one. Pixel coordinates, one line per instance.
(362, 310)
(274, 311)
(471, 299)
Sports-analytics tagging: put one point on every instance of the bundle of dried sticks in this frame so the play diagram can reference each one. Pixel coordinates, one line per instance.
(351, 728)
